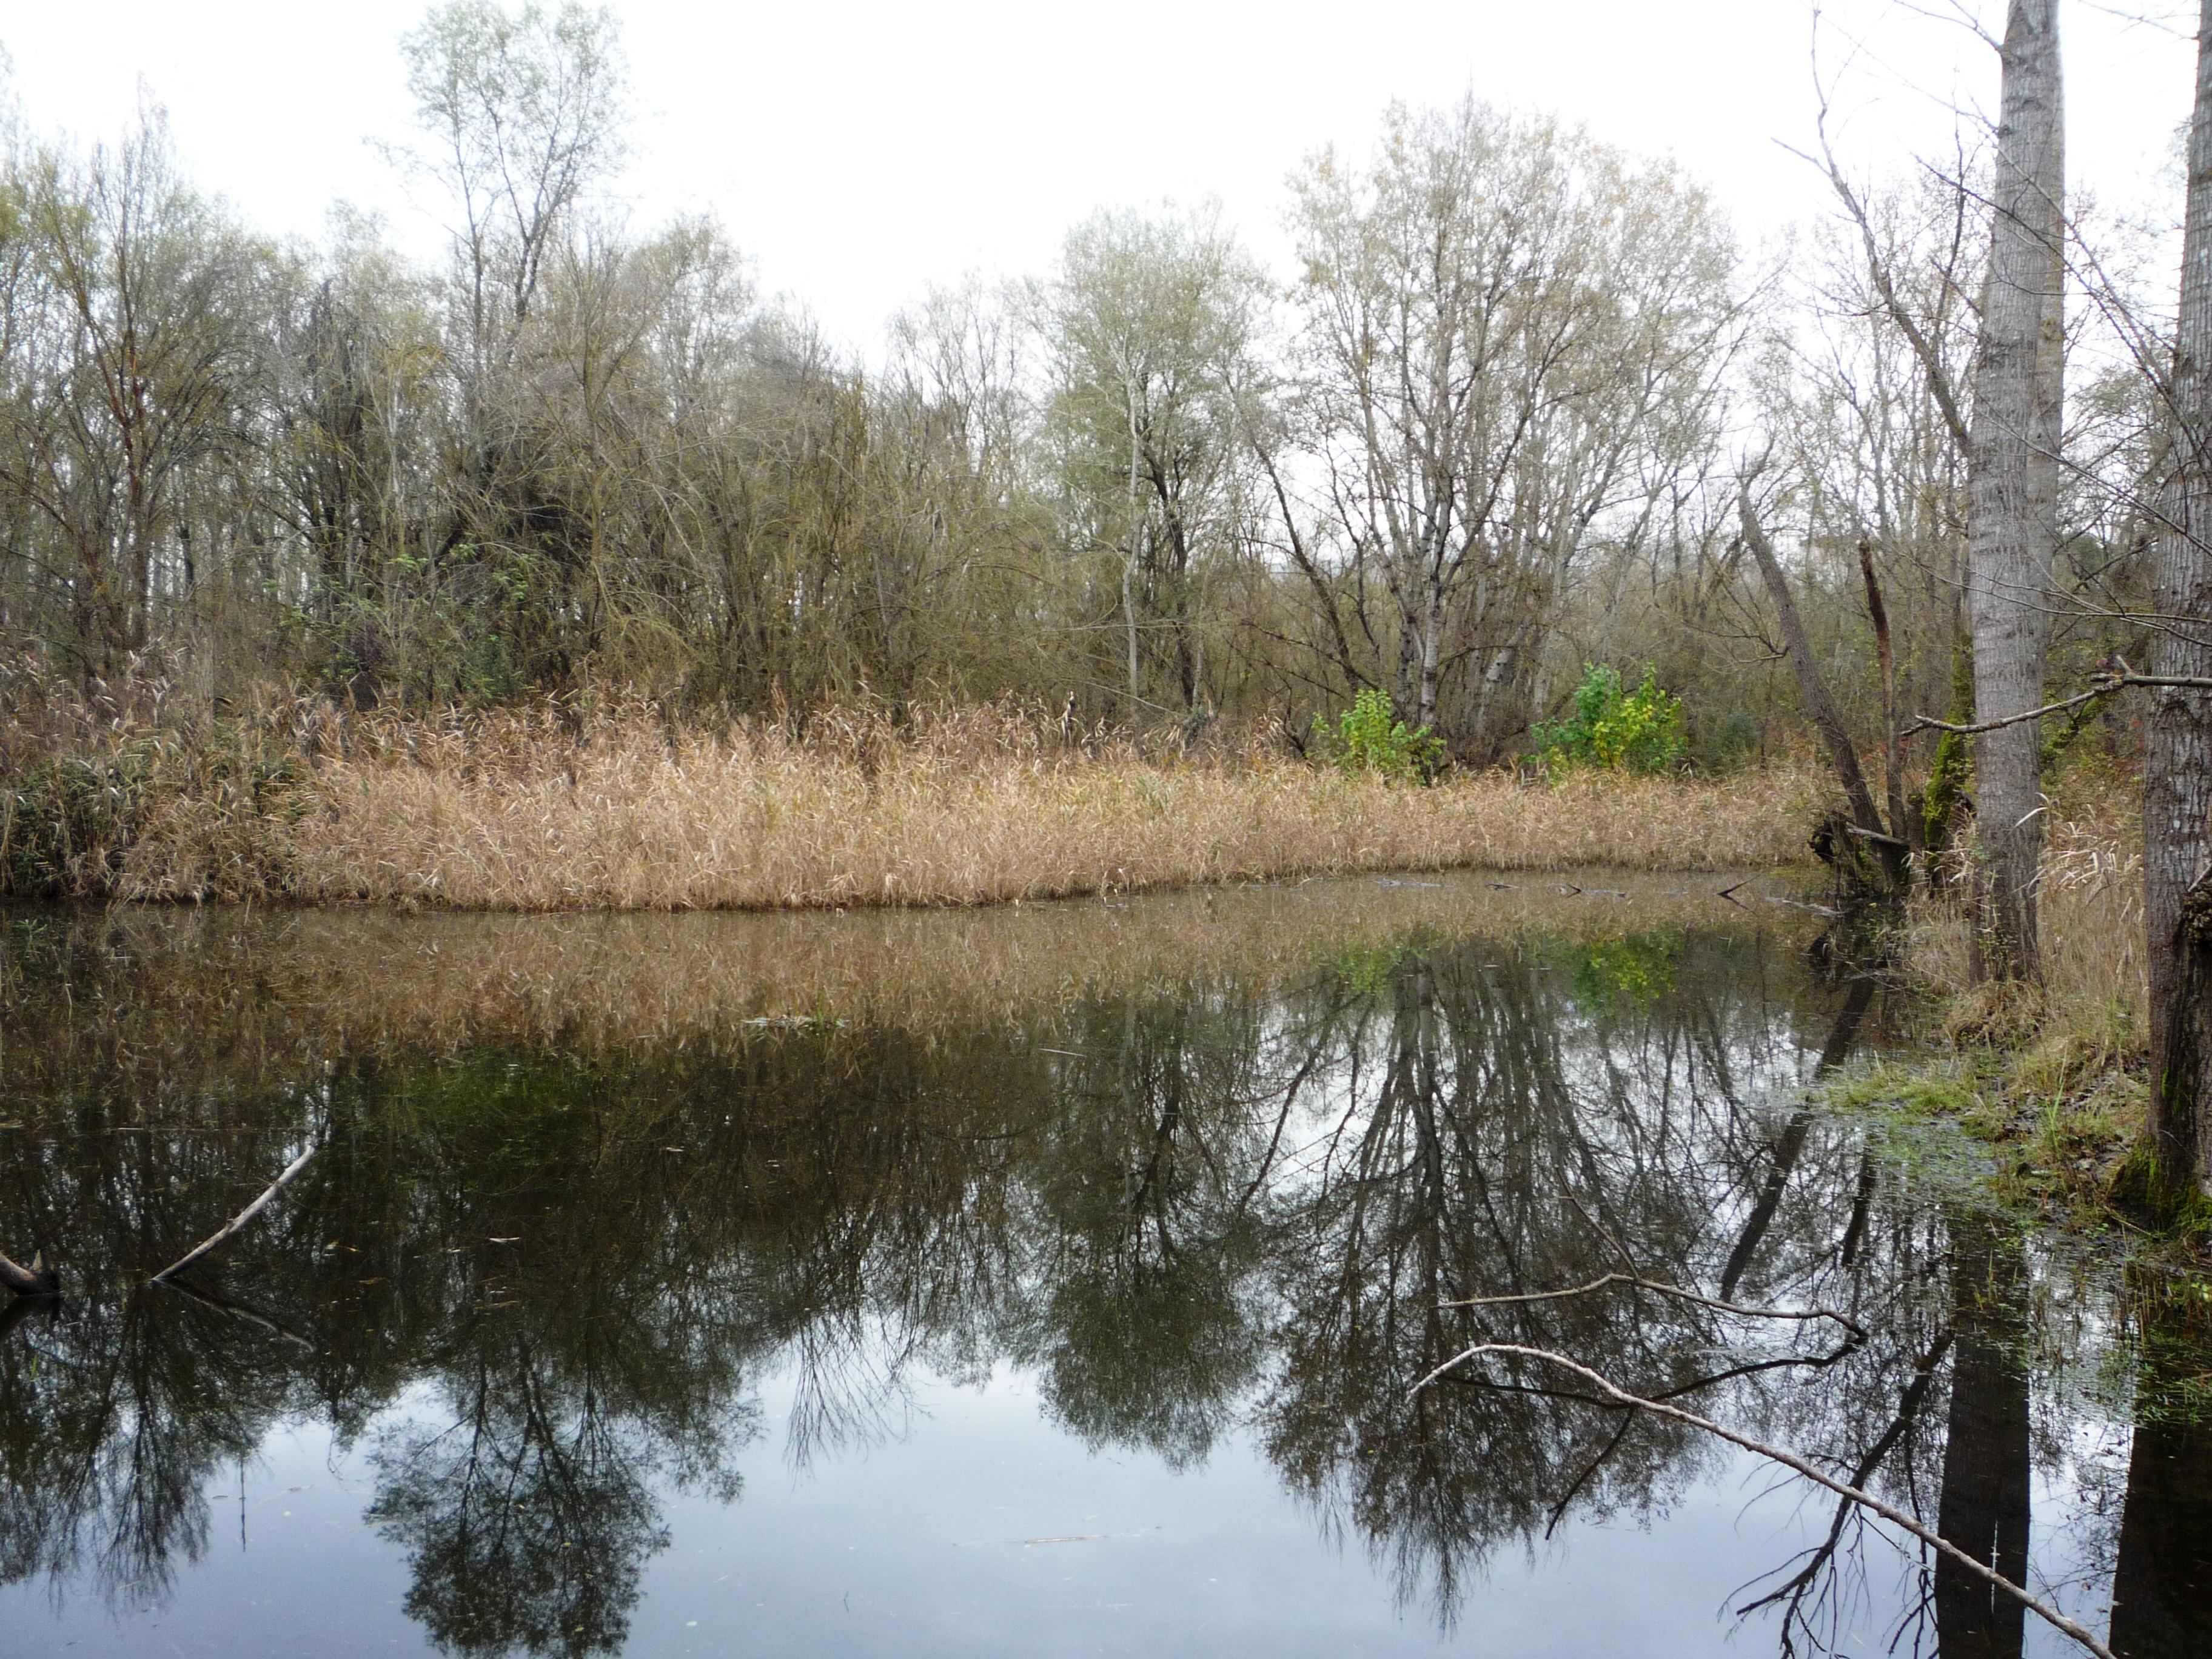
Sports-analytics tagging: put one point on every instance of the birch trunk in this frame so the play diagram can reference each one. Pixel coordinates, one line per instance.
(2178, 759)
(2013, 483)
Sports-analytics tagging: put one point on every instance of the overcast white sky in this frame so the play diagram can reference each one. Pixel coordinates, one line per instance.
(859, 151)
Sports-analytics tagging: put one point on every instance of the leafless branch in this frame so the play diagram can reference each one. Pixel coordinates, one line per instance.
(1615, 1394)
(2106, 686)
(1664, 1289)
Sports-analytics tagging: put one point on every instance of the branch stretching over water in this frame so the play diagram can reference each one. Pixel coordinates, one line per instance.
(2106, 684)
(236, 1225)
(1935, 1541)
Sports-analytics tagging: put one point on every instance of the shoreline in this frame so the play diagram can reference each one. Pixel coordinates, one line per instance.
(220, 990)
(521, 812)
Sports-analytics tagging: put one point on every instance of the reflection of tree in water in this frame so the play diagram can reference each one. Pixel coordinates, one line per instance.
(2162, 1582)
(1983, 1504)
(527, 1520)
(1185, 1209)
(108, 1440)
(118, 1407)
(1504, 1118)
(1145, 1322)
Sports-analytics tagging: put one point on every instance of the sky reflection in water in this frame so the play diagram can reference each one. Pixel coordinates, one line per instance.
(1067, 1300)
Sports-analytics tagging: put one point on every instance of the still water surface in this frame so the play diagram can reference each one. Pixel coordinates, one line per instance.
(1050, 1281)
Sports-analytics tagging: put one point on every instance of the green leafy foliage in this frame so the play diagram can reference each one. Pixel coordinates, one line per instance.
(1369, 737)
(1639, 730)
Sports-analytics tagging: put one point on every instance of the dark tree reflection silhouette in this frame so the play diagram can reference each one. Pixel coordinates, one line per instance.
(527, 1520)
(536, 1282)
(1984, 1507)
(2163, 1586)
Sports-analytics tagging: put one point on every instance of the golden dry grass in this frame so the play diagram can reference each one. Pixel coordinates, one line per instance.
(2091, 902)
(2058, 1066)
(530, 813)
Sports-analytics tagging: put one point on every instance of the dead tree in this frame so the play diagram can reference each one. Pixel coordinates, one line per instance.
(1888, 850)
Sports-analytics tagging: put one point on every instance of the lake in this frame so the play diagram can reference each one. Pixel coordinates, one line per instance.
(1044, 1280)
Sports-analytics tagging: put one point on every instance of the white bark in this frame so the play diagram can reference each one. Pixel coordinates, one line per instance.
(2012, 481)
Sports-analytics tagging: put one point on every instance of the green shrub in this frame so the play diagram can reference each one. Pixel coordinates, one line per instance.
(70, 823)
(1368, 737)
(1639, 730)
(64, 824)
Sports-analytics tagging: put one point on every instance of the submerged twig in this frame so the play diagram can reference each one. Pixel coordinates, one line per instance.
(236, 1310)
(1617, 1395)
(1799, 905)
(236, 1225)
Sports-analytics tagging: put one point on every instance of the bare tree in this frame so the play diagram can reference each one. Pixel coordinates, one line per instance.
(127, 343)
(1146, 325)
(1511, 336)
(521, 111)
(1865, 819)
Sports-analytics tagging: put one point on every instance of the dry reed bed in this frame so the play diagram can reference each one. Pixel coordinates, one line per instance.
(193, 996)
(522, 813)
(2090, 904)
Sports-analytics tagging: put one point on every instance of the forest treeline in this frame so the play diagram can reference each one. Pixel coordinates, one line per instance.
(1491, 431)
(1527, 424)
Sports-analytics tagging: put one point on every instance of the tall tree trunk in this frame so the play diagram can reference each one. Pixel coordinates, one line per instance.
(1432, 629)
(1900, 822)
(2178, 757)
(1130, 560)
(2013, 483)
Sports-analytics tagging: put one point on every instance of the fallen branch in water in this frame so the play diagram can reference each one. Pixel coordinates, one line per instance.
(237, 1223)
(1801, 1584)
(1799, 905)
(1617, 1395)
(37, 1280)
(1664, 1289)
